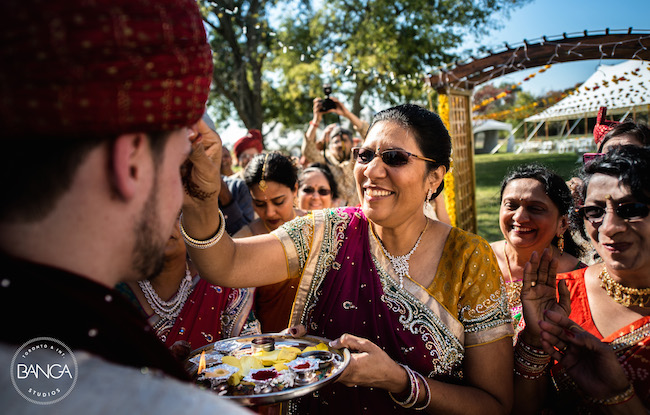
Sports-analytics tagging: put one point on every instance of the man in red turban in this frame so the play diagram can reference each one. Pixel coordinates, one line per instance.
(247, 147)
(99, 108)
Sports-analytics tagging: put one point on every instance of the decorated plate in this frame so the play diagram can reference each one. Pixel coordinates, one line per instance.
(268, 368)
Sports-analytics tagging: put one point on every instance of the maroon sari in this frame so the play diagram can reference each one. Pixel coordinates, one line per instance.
(347, 287)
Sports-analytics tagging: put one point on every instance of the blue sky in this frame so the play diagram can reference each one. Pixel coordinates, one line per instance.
(554, 17)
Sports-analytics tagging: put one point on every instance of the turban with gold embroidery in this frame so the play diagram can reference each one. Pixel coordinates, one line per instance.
(72, 68)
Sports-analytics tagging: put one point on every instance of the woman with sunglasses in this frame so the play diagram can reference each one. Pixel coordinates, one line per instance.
(534, 215)
(272, 181)
(594, 339)
(419, 303)
(316, 188)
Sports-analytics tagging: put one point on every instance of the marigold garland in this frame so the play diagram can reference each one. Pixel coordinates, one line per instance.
(544, 102)
(511, 90)
(450, 186)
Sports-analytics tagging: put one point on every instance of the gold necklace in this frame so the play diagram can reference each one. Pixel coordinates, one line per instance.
(624, 295)
(513, 288)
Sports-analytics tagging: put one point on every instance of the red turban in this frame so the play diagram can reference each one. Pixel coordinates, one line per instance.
(603, 126)
(101, 66)
(251, 140)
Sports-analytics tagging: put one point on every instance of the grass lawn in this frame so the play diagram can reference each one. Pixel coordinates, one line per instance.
(490, 170)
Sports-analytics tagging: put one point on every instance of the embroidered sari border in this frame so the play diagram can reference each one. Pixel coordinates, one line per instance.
(418, 291)
(629, 336)
(307, 276)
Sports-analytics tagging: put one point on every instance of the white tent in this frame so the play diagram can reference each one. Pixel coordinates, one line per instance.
(618, 87)
(486, 135)
(490, 125)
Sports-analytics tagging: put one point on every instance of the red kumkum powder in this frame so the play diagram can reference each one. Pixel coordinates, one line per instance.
(264, 375)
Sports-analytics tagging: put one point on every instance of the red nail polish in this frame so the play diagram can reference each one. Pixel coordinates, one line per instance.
(570, 334)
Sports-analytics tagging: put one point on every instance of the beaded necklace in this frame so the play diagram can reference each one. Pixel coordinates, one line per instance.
(168, 309)
(400, 263)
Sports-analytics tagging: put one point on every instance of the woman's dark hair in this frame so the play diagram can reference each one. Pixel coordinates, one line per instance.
(556, 189)
(429, 131)
(639, 131)
(276, 167)
(630, 165)
(321, 168)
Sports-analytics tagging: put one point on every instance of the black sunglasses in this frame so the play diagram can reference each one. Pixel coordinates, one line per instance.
(627, 211)
(391, 158)
(322, 191)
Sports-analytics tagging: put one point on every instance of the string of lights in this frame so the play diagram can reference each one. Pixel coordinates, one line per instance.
(445, 72)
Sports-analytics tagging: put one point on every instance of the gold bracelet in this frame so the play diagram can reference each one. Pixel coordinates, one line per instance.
(195, 243)
(530, 362)
(616, 399)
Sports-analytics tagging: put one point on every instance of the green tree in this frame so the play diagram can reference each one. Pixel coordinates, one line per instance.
(271, 57)
(386, 46)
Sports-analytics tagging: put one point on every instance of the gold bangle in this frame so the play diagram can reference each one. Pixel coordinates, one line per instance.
(198, 244)
(616, 399)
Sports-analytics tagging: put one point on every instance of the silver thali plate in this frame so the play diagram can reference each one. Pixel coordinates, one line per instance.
(240, 346)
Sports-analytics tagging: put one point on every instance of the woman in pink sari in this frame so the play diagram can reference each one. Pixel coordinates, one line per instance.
(597, 331)
(420, 304)
(179, 305)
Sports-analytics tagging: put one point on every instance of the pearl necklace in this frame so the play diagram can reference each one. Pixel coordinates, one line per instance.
(401, 263)
(624, 295)
(167, 309)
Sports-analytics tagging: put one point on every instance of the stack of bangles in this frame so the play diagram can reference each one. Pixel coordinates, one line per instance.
(195, 243)
(616, 399)
(530, 362)
(414, 392)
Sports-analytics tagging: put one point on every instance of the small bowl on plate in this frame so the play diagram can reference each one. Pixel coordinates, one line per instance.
(266, 344)
(323, 357)
(219, 374)
(305, 370)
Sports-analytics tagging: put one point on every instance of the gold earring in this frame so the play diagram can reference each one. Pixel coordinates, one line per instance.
(560, 244)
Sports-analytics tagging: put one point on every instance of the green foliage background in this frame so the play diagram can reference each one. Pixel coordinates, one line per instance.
(272, 57)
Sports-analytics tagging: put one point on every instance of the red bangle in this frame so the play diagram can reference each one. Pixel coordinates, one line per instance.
(315, 124)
